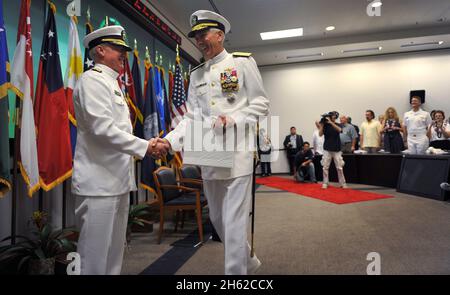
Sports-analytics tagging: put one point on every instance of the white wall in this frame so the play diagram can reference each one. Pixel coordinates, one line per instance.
(300, 93)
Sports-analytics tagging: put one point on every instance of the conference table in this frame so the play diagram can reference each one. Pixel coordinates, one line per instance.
(372, 169)
(418, 175)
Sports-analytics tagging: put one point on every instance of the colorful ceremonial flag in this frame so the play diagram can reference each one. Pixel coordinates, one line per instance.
(22, 78)
(170, 82)
(136, 75)
(166, 103)
(5, 174)
(159, 100)
(151, 127)
(51, 112)
(73, 73)
(178, 97)
(127, 85)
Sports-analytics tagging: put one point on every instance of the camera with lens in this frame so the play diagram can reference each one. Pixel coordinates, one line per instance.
(323, 119)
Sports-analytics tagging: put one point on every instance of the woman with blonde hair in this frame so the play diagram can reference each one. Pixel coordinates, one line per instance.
(393, 141)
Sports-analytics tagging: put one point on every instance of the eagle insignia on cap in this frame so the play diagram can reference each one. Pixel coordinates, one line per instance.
(194, 20)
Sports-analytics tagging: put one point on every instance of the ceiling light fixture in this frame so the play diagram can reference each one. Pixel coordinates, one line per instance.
(282, 34)
(304, 55)
(422, 44)
(330, 28)
(363, 49)
(377, 4)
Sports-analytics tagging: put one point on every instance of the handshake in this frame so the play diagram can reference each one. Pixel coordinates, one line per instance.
(158, 147)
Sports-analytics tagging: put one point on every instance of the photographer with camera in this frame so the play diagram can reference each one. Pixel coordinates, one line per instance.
(332, 147)
(292, 143)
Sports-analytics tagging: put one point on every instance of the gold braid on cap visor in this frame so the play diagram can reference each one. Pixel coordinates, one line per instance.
(203, 26)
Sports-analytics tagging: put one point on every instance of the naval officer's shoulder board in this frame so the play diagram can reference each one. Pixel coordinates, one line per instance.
(241, 54)
(96, 70)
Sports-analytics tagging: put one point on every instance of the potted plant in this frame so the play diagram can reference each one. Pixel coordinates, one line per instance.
(135, 218)
(37, 255)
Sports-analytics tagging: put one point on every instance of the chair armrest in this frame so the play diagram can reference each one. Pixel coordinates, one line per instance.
(179, 187)
(192, 181)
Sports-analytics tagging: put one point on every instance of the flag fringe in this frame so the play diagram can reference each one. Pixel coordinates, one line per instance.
(31, 189)
(144, 186)
(52, 185)
(8, 187)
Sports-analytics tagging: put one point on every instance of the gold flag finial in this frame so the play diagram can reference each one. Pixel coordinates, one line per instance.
(135, 44)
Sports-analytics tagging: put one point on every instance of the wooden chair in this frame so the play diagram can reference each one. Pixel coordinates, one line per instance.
(190, 176)
(175, 197)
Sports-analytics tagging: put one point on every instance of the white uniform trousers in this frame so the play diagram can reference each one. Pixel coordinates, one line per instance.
(229, 207)
(418, 143)
(338, 162)
(102, 222)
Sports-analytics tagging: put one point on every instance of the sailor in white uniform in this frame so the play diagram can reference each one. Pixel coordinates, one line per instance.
(415, 126)
(227, 90)
(103, 171)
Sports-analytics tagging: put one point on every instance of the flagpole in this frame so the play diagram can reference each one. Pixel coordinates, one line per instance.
(15, 174)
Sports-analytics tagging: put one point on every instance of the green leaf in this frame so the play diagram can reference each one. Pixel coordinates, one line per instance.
(39, 253)
(23, 262)
(45, 233)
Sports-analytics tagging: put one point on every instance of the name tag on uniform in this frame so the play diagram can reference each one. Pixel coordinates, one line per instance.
(200, 85)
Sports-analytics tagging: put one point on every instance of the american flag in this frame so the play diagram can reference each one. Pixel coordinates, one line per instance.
(178, 97)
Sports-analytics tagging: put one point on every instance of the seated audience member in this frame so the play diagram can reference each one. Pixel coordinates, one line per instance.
(292, 143)
(265, 148)
(393, 141)
(304, 166)
(439, 130)
(318, 141)
(348, 136)
(349, 119)
(415, 127)
(370, 133)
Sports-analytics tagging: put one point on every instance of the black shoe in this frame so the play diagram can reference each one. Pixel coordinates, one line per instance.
(269, 174)
(445, 186)
(263, 175)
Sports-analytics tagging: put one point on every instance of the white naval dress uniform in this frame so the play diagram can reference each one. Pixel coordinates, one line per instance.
(416, 124)
(103, 172)
(228, 190)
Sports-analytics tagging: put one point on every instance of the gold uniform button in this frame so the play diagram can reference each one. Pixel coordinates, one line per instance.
(213, 84)
(213, 102)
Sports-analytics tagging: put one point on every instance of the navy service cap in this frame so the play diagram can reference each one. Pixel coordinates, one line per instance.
(111, 34)
(204, 20)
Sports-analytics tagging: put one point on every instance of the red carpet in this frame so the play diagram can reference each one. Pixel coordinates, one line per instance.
(331, 194)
